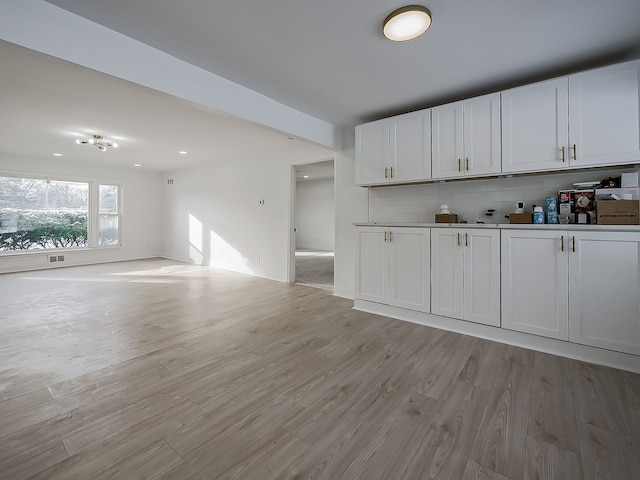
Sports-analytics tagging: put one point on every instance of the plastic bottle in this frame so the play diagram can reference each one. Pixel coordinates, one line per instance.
(538, 215)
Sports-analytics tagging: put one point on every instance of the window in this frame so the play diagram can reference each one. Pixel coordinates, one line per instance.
(108, 215)
(38, 214)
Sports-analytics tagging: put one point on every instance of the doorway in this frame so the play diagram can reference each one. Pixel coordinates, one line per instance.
(313, 220)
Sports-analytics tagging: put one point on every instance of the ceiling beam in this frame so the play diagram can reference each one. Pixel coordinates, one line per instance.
(46, 28)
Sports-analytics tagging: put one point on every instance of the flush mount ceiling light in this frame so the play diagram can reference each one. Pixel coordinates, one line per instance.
(407, 23)
(98, 141)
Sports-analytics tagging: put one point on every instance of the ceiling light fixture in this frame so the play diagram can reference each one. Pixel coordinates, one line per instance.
(182, 152)
(57, 154)
(407, 23)
(99, 142)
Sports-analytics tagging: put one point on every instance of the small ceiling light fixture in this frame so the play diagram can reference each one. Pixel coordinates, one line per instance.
(182, 152)
(57, 154)
(99, 142)
(407, 23)
(137, 165)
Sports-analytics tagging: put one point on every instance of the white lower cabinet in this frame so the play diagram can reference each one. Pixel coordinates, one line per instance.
(578, 286)
(393, 266)
(465, 274)
(534, 282)
(604, 290)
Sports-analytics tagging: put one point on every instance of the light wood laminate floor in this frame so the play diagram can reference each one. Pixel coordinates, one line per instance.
(160, 370)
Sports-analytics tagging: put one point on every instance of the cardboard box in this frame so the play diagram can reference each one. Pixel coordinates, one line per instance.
(618, 212)
(446, 218)
(520, 218)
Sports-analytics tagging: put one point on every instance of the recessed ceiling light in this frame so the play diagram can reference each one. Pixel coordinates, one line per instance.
(137, 165)
(407, 23)
(182, 152)
(305, 176)
(57, 154)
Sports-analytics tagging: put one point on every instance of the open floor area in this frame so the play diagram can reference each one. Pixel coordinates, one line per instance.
(157, 369)
(315, 268)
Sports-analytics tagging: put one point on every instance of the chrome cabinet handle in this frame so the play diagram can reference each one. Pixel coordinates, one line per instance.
(386, 172)
(562, 243)
(563, 155)
(575, 152)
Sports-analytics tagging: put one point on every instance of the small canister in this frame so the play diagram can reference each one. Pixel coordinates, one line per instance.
(538, 215)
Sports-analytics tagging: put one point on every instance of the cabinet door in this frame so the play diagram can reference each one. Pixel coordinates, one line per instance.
(482, 135)
(447, 255)
(371, 276)
(410, 140)
(535, 282)
(482, 276)
(535, 127)
(446, 141)
(372, 153)
(409, 262)
(604, 290)
(604, 115)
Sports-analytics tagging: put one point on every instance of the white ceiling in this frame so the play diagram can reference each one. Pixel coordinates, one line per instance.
(315, 171)
(329, 59)
(48, 103)
(324, 58)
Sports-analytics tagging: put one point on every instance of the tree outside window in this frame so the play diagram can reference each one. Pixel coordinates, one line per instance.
(39, 214)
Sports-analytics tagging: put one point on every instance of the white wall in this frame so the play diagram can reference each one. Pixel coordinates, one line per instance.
(351, 206)
(470, 199)
(141, 206)
(214, 216)
(314, 214)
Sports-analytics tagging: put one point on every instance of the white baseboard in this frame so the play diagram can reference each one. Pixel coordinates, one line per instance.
(575, 351)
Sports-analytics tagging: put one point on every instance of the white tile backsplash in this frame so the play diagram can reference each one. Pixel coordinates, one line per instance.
(470, 199)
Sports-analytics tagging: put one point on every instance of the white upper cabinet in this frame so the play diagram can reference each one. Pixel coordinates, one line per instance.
(372, 153)
(534, 127)
(582, 120)
(394, 150)
(446, 137)
(466, 137)
(586, 119)
(410, 147)
(604, 116)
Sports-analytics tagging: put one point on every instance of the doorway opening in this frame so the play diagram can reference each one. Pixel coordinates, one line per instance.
(313, 220)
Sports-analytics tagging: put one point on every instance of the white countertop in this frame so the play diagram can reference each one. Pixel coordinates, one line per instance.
(507, 226)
